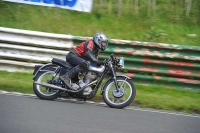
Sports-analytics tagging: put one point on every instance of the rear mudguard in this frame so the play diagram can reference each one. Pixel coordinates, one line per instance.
(42, 68)
(102, 89)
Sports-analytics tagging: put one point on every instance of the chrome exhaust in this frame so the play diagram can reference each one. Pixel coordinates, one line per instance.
(51, 86)
(64, 89)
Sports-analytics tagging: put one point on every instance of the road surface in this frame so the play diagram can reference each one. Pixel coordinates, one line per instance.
(28, 114)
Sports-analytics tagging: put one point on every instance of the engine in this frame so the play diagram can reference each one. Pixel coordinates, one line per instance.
(93, 72)
(89, 77)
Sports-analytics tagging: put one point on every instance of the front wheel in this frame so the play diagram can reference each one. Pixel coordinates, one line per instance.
(123, 97)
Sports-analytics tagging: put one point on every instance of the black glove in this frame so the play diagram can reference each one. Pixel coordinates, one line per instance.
(100, 63)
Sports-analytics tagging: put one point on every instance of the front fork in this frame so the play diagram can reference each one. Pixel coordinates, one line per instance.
(114, 76)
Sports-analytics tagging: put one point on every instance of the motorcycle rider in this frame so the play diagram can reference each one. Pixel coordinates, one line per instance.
(79, 56)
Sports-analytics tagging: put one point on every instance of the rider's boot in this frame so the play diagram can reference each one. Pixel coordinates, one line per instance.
(69, 75)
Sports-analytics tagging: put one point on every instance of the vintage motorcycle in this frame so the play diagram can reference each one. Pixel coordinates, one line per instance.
(118, 90)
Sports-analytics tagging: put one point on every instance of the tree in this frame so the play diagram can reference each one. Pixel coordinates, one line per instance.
(149, 8)
(198, 17)
(109, 6)
(188, 7)
(136, 7)
(154, 8)
(119, 7)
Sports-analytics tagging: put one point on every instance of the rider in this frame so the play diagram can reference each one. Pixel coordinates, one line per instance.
(79, 56)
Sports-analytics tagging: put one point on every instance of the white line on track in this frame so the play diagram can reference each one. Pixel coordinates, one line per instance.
(91, 102)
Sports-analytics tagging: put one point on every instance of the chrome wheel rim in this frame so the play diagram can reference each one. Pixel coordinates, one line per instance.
(124, 95)
(44, 78)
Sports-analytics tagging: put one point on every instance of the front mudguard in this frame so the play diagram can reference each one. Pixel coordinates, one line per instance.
(102, 89)
(42, 68)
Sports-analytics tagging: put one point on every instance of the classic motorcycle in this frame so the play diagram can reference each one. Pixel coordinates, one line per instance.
(118, 90)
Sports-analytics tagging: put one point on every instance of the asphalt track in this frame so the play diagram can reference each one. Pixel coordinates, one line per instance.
(27, 114)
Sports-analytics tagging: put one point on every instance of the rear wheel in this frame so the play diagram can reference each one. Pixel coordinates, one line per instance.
(45, 92)
(123, 97)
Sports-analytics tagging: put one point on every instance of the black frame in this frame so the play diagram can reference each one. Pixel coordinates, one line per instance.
(112, 61)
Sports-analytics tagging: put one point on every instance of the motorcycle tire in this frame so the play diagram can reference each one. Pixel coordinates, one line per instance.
(110, 95)
(38, 88)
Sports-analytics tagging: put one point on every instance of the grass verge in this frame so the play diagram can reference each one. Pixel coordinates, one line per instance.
(156, 97)
(164, 29)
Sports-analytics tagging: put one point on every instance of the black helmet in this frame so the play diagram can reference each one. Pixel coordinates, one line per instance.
(101, 40)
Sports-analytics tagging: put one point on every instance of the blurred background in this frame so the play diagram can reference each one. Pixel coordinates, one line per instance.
(162, 21)
(167, 21)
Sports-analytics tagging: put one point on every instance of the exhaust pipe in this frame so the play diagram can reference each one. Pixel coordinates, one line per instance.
(51, 86)
(63, 89)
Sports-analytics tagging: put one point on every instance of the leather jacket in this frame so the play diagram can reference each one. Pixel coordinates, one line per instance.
(87, 50)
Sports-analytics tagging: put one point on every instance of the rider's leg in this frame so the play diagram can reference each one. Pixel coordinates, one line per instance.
(74, 72)
(74, 59)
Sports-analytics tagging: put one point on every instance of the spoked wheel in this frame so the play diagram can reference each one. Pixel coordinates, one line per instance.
(123, 97)
(45, 92)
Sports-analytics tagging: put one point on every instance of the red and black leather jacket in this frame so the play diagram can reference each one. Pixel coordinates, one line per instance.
(87, 50)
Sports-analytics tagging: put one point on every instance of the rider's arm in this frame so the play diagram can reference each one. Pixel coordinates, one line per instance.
(89, 47)
(91, 56)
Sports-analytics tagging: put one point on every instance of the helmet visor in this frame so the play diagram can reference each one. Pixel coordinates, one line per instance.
(103, 45)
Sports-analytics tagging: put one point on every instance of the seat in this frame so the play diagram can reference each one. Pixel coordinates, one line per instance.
(61, 62)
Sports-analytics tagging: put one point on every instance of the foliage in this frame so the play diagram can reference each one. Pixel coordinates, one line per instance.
(154, 34)
(131, 25)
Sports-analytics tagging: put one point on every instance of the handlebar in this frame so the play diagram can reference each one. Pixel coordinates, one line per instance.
(119, 62)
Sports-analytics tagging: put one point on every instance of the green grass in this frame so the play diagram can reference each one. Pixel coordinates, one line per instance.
(157, 97)
(17, 82)
(160, 97)
(128, 26)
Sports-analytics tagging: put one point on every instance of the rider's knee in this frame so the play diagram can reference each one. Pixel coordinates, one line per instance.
(84, 65)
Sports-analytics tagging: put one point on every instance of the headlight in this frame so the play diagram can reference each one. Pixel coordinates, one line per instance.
(121, 62)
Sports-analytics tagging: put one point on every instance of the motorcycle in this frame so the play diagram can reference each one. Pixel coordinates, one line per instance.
(118, 91)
